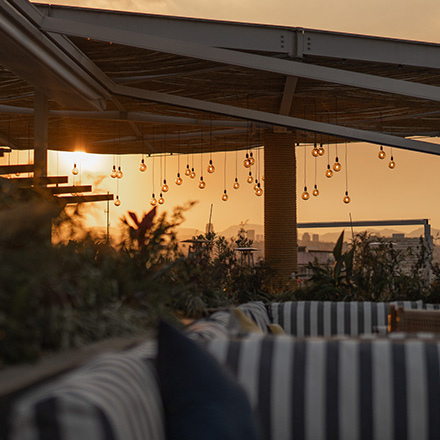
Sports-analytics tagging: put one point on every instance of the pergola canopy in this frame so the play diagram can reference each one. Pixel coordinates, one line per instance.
(124, 83)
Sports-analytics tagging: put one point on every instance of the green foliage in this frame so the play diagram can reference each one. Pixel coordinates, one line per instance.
(371, 270)
(81, 289)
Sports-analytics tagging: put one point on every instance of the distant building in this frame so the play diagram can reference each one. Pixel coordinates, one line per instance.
(305, 257)
(306, 237)
(315, 238)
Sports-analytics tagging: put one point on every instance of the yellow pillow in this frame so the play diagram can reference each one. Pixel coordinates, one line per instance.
(276, 329)
(240, 323)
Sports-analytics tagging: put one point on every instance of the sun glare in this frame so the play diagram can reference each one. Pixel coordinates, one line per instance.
(86, 162)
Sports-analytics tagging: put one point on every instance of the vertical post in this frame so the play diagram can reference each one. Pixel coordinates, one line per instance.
(41, 128)
(280, 221)
(428, 246)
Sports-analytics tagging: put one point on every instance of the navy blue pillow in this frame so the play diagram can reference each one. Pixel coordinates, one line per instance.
(201, 400)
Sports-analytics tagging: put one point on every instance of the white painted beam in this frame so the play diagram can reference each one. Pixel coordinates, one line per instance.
(281, 120)
(247, 60)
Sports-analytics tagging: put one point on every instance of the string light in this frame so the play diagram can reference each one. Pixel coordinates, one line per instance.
(119, 174)
(75, 170)
(187, 171)
(392, 164)
(346, 198)
(225, 194)
(251, 159)
(259, 190)
(117, 201)
(165, 187)
(315, 191)
(247, 162)
(153, 201)
(178, 179)
(250, 179)
(328, 172)
(161, 200)
(305, 195)
(142, 166)
(321, 150)
(315, 151)
(211, 167)
(202, 183)
(337, 166)
(236, 184)
(381, 154)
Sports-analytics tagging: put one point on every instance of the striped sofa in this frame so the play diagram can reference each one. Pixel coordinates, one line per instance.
(299, 386)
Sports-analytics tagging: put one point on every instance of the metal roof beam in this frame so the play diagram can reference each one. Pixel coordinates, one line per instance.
(247, 60)
(281, 120)
(47, 67)
(293, 41)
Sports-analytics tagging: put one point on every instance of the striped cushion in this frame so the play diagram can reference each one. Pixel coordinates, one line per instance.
(315, 389)
(205, 329)
(114, 397)
(432, 306)
(326, 318)
(257, 311)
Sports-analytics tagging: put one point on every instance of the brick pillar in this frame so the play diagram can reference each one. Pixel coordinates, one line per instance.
(280, 222)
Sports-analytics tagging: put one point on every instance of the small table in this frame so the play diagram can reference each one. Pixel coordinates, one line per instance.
(247, 255)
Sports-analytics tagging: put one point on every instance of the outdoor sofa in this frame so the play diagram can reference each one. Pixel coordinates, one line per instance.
(333, 377)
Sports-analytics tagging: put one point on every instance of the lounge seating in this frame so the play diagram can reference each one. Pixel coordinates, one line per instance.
(340, 386)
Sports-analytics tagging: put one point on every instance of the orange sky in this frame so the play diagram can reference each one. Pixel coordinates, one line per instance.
(411, 190)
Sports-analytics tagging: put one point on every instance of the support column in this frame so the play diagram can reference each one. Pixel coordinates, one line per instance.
(280, 222)
(41, 129)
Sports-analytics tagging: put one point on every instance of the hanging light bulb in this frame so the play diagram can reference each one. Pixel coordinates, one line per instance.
(178, 179)
(114, 173)
(225, 196)
(250, 179)
(161, 200)
(346, 198)
(315, 191)
(315, 151)
(392, 164)
(251, 159)
(259, 190)
(381, 154)
(202, 183)
(142, 166)
(165, 187)
(337, 166)
(193, 173)
(305, 195)
(236, 184)
(247, 162)
(256, 184)
(117, 201)
(211, 167)
(153, 201)
(328, 172)
(187, 171)
(75, 170)
(119, 174)
(321, 150)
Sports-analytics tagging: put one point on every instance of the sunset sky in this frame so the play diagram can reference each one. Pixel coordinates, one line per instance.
(411, 190)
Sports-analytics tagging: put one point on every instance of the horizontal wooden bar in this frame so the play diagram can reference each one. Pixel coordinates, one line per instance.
(69, 200)
(11, 169)
(29, 181)
(71, 189)
(5, 149)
